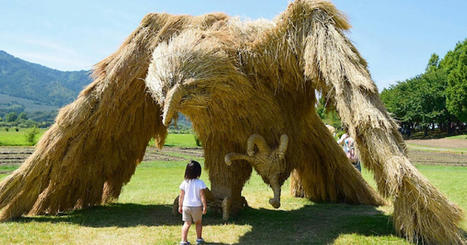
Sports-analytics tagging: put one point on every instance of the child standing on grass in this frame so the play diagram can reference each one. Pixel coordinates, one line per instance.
(192, 201)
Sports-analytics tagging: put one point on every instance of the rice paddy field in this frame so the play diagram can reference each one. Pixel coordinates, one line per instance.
(143, 213)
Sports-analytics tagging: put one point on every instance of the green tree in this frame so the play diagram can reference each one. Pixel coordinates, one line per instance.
(31, 135)
(455, 66)
(328, 114)
(23, 116)
(198, 142)
(433, 63)
(435, 98)
(418, 101)
(403, 102)
(11, 117)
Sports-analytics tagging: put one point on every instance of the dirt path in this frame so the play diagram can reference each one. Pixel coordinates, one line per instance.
(431, 152)
(172, 154)
(16, 155)
(437, 158)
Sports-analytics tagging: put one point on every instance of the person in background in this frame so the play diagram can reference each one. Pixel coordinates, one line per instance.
(348, 144)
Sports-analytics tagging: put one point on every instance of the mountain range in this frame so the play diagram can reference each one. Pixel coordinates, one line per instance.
(37, 87)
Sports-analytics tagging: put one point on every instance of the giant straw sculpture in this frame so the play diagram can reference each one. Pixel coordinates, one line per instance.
(233, 80)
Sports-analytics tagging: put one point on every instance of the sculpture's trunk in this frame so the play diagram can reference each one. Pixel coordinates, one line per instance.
(276, 188)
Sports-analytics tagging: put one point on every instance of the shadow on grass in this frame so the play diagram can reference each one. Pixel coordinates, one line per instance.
(118, 214)
(316, 224)
(313, 224)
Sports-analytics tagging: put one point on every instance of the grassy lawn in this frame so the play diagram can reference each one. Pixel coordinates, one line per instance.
(142, 215)
(7, 168)
(462, 136)
(181, 140)
(13, 138)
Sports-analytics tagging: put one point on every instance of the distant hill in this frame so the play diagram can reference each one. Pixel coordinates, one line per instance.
(37, 87)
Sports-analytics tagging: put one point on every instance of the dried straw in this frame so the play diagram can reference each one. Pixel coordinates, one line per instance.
(97, 141)
(232, 80)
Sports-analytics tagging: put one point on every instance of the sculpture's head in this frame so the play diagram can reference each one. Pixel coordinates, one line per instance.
(185, 71)
(269, 163)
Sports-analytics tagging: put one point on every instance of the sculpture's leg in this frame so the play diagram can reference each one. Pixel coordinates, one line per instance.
(333, 64)
(226, 181)
(296, 187)
(325, 173)
(85, 157)
(226, 206)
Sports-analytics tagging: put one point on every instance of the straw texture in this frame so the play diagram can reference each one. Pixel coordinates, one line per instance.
(97, 141)
(233, 79)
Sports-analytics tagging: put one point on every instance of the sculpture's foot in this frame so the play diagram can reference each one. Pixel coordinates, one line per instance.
(233, 206)
(226, 205)
(244, 202)
(275, 203)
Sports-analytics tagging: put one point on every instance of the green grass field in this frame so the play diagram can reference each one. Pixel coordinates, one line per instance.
(142, 215)
(463, 136)
(181, 140)
(13, 138)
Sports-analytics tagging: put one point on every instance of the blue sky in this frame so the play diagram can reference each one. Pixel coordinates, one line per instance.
(396, 37)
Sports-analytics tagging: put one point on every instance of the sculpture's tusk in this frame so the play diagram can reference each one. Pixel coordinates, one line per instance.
(229, 157)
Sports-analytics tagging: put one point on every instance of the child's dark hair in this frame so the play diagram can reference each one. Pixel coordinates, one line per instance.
(193, 170)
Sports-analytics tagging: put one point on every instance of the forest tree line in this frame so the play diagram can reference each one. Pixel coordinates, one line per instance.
(436, 99)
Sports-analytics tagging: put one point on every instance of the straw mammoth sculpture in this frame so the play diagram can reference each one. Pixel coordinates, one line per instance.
(233, 79)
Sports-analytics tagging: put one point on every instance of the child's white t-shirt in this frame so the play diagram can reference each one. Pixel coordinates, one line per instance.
(192, 188)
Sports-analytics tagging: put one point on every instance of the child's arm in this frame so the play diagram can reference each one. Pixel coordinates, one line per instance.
(203, 200)
(180, 201)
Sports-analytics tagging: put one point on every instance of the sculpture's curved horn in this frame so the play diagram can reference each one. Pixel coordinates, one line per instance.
(259, 141)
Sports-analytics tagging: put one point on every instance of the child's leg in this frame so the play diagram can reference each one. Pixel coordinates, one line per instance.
(199, 229)
(185, 228)
(197, 219)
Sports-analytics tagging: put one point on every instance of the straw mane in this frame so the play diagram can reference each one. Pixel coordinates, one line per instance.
(248, 87)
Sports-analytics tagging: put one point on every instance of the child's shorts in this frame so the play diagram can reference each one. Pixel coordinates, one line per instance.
(192, 214)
